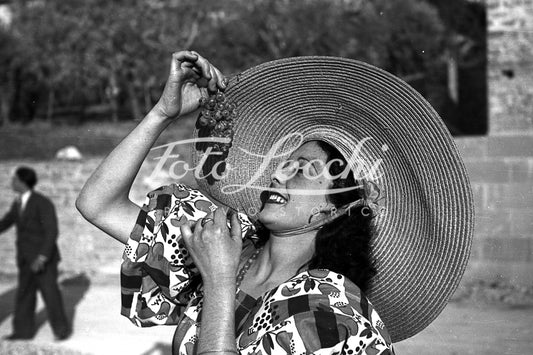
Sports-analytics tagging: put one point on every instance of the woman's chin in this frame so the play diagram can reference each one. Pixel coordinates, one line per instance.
(275, 219)
(271, 215)
(265, 217)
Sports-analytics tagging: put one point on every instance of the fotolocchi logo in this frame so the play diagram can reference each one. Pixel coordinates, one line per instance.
(362, 169)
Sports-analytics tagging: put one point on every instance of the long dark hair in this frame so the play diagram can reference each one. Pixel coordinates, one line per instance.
(343, 245)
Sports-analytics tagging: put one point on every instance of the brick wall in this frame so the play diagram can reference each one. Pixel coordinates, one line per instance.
(501, 173)
(510, 57)
(500, 169)
(501, 164)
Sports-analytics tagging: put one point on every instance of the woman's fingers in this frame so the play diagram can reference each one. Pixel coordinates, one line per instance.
(214, 78)
(236, 231)
(200, 67)
(204, 65)
(192, 234)
(202, 71)
(186, 234)
(185, 56)
(182, 60)
(212, 226)
(212, 85)
(220, 217)
(221, 79)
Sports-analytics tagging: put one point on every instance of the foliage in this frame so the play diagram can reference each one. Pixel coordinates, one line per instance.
(13, 58)
(392, 35)
(88, 50)
(83, 53)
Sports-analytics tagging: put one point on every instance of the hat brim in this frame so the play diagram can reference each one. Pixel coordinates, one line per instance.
(424, 230)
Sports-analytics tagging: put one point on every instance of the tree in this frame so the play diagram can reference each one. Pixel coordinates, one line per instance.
(13, 64)
(403, 37)
(90, 50)
(117, 53)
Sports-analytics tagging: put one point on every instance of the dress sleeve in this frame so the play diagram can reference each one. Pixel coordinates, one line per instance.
(158, 277)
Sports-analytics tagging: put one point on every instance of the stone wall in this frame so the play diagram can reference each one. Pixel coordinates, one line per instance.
(501, 173)
(510, 57)
(83, 247)
(501, 164)
(500, 169)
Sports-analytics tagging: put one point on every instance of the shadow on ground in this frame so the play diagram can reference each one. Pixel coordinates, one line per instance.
(73, 290)
(7, 304)
(159, 348)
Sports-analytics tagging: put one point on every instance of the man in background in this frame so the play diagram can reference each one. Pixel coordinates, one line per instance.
(37, 257)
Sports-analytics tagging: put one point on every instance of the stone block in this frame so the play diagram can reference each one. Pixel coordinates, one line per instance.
(476, 252)
(497, 197)
(521, 222)
(478, 192)
(510, 46)
(490, 224)
(516, 273)
(510, 95)
(507, 249)
(521, 170)
(488, 170)
(510, 146)
(509, 15)
(472, 147)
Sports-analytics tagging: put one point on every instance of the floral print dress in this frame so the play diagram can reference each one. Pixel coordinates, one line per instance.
(315, 312)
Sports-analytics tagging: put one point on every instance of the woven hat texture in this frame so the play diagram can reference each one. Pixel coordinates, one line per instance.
(425, 222)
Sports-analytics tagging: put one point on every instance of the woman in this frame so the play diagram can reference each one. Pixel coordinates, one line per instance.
(326, 230)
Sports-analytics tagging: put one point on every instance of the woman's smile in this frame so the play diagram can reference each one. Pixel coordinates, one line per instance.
(298, 190)
(276, 198)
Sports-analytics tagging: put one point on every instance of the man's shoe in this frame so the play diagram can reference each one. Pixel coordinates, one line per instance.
(64, 336)
(18, 337)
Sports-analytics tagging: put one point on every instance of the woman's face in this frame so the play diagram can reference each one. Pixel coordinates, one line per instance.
(301, 189)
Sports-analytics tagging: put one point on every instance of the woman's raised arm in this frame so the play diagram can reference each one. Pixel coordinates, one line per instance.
(104, 200)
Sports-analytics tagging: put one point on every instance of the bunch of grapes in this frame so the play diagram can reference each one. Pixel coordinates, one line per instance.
(217, 115)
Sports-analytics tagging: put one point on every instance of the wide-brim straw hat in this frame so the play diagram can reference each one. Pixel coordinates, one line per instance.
(425, 222)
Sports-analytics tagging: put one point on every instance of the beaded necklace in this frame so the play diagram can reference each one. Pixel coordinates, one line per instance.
(246, 266)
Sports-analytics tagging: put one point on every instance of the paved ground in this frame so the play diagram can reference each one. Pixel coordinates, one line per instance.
(475, 329)
(93, 304)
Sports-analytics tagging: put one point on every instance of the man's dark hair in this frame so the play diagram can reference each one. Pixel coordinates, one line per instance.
(27, 175)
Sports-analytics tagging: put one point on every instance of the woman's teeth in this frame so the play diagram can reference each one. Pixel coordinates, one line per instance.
(275, 198)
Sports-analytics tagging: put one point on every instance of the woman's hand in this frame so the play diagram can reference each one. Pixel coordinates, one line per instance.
(215, 248)
(191, 75)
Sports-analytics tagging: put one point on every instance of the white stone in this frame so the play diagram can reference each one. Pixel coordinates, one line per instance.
(69, 153)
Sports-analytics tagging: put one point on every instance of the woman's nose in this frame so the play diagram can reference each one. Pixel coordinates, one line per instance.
(285, 171)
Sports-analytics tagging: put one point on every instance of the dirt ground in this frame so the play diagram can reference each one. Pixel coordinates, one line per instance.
(463, 328)
(472, 328)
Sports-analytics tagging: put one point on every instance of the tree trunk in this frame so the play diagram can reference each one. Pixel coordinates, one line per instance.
(112, 92)
(453, 77)
(4, 111)
(50, 106)
(135, 109)
(147, 98)
(114, 109)
(6, 98)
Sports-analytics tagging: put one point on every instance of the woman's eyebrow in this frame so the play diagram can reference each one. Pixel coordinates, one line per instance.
(313, 162)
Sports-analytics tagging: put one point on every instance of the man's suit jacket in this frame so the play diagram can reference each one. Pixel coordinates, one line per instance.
(36, 228)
